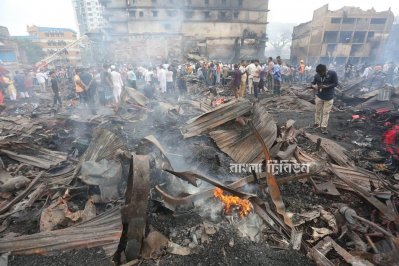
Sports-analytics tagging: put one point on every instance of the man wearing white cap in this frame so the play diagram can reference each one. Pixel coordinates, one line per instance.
(117, 83)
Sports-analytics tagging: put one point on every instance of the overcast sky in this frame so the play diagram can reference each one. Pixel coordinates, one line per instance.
(16, 14)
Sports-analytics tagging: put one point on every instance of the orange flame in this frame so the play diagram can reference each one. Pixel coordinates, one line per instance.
(229, 201)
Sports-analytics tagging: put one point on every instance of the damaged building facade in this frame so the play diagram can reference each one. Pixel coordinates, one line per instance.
(156, 30)
(338, 36)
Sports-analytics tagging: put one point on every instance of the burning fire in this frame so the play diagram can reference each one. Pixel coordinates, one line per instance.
(229, 202)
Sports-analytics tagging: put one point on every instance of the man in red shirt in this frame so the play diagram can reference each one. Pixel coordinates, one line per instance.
(391, 143)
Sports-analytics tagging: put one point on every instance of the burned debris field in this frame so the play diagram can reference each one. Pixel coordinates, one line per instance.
(160, 182)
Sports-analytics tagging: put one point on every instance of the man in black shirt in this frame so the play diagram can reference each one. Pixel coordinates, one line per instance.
(324, 83)
(55, 88)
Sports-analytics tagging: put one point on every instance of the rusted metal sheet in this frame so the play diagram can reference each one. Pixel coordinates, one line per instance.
(201, 105)
(191, 176)
(337, 153)
(353, 260)
(43, 158)
(359, 176)
(274, 189)
(103, 146)
(216, 117)
(175, 202)
(165, 163)
(103, 231)
(19, 125)
(241, 144)
(134, 213)
(7, 206)
(387, 212)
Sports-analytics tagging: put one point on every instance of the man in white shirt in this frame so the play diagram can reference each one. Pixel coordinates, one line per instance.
(256, 78)
(251, 68)
(117, 82)
(169, 81)
(41, 79)
(162, 79)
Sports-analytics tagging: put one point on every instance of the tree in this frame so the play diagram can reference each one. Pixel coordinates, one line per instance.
(31, 52)
(281, 42)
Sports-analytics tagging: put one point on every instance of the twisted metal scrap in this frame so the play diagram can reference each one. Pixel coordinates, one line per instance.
(272, 182)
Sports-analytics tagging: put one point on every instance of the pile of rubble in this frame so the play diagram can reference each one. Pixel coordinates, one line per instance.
(196, 181)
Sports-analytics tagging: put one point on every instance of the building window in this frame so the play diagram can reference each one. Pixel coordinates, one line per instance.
(370, 36)
(330, 36)
(359, 37)
(331, 48)
(362, 21)
(378, 21)
(155, 13)
(336, 20)
(132, 14)
(348, 21)
(222, 15)
(171, 1)
(154, 1)
(356, 48)
(240, 2)
(141, 14)
(188, 14)
(189, 2)
(206, 2)
(236, 14)
(172, 13)
(89, 9)
(167, 26)
(345, 36)
(207, 14)
(224, 2)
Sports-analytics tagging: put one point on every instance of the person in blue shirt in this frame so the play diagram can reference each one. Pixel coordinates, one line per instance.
(277, 79)
(324, 84)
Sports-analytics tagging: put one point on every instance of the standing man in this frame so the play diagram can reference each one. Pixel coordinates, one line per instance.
(41, 79)
(256, 78)
(56, 89)
(162, 79)
(105, 91)
(79, 87)
(277, 79)
(324, 83)
(243, 84)
(131, 78)
(250, 72)
(225, 74)
(19, 81)
(90, 88)
(301, 71)
(270, 79)
(236, 82)
(117, 82)
(169, 81)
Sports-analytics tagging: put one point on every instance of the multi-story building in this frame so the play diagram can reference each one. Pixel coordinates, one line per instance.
(156, 30)
(8, 48)
(88, 15)
(338, 36)
(53, 40)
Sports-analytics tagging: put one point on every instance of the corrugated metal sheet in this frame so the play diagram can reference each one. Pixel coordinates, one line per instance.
(216, 117)
(241, 144)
